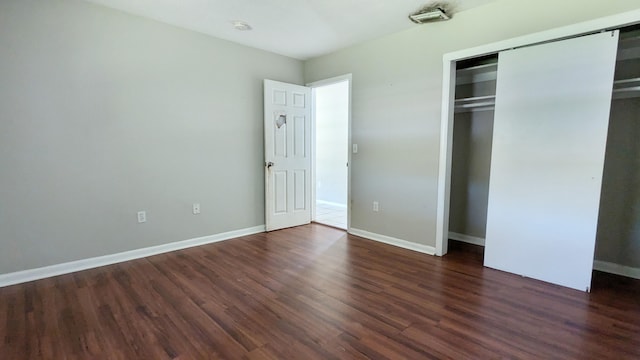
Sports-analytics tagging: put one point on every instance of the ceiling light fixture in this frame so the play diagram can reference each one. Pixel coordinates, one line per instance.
(429, 14)
(241, 25)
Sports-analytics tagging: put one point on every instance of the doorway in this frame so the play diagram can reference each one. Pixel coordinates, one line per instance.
(330, 161)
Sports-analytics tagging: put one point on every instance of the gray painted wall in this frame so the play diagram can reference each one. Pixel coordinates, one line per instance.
(103, 114)
(397, 95)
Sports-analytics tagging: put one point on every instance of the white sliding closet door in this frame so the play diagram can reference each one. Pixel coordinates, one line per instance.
(550, 132)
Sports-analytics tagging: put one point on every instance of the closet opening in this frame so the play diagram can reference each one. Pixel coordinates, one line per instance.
(618, 233)
(475, 93)
(617, 236)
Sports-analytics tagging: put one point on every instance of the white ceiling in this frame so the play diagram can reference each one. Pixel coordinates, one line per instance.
(301, 29)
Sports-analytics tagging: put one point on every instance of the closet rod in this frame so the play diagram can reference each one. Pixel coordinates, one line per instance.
(627, 81)
(627, 89)
(475, 103)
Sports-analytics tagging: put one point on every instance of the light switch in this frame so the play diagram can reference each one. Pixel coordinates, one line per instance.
(355, 148)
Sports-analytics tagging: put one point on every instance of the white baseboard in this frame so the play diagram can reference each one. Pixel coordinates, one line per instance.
(84, 264)
(617, 269)
(331, 203)
(393, 241)
(466, 238)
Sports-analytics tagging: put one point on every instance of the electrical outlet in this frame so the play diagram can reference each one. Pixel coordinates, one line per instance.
(142, 216)
(196, 209)
(376, 206)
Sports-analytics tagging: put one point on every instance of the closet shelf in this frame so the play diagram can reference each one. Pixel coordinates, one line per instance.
(477, 103)
(626, 88)
(622, 89)
(629, 48)
(484, 72)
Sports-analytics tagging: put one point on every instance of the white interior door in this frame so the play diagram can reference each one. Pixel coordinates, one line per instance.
(287, 134)
(550, 132)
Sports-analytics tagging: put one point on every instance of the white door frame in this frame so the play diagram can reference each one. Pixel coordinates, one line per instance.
(448, 96)
(313, 85)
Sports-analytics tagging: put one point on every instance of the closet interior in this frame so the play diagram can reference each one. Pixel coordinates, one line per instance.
(618, 233)
(618, 229)
(475, 96)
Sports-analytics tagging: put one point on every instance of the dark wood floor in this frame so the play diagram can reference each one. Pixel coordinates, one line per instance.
(314, 293)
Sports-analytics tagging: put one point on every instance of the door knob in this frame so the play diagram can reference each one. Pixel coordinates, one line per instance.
(270, 164)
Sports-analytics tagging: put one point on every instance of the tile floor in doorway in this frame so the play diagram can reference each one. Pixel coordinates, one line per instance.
(331, 214)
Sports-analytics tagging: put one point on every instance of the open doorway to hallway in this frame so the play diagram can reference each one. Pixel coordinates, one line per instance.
(331, 114)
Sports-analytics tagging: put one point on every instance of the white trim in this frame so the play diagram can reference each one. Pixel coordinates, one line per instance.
(393, 241)
(466, 238)
(444, 164)
(313, 154)
(84, 264)
(313, 85)
(605, 23)
(350, 152)
(331, 203)
(617, 269)
(330, 81)
(448, 88)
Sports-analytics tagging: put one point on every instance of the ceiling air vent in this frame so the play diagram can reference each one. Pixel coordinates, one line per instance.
(430, 13)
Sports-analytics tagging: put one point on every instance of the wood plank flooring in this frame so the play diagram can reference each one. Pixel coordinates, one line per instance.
(314, 292)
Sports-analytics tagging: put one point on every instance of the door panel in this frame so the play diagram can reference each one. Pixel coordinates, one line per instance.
(300, 189)
(299, 99)
(300, 139)
(280, 140)
(550, 131)
(287, 127)
(279, 97)
(280, 191)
